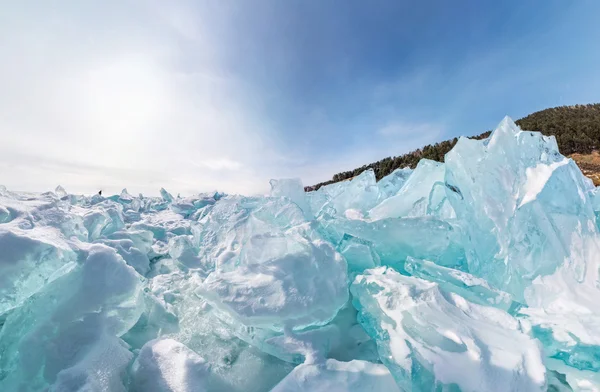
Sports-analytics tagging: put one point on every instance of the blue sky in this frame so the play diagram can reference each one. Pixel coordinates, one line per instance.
(199, 95)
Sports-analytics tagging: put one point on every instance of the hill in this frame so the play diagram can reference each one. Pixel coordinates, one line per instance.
(576, 128)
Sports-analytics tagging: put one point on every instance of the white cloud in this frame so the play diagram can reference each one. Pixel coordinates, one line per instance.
(219, 164)
(94, 99)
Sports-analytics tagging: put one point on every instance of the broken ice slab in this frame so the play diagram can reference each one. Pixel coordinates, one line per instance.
(221, 234)
(564, 311)
(60, 192)
(572, 379)
(236, 366)
(471, 288)
(165, 365)
(393, 240)
(438, 204)
(166, 195)
(343, 339)
(359, 254)
(28, 260)
(319, 202)
(116, 220)
(66, 336)
(294, 191)
(281, 281)
(336, 376)
(520, 202)
(271, 270)
(157, 319)
(5, 215)
(393, 182)
(360, 193)
(164, 225)
(413, 198)
(125, 196)
(531, 230)
(595, 198)
(574, 353)
(431, 339)
(132, 255)
(183, 250)
(95, 220)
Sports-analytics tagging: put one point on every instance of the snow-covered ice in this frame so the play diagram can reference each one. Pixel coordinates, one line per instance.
(478, 274)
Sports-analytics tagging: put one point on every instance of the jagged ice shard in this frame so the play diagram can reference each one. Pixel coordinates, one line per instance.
(477, 274)
(431, 338)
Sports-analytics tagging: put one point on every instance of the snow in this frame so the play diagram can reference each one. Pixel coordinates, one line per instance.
(165, 365)
(536, 180)
(431, 338)
(335, 376)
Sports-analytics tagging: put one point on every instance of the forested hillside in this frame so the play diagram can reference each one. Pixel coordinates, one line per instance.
(576, 128)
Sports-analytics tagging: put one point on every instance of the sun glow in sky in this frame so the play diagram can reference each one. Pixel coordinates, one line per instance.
(202, 95)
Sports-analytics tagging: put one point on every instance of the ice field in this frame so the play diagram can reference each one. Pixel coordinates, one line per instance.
(477, 274)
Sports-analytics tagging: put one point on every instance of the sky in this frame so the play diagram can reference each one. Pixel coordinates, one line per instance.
(224, 95)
